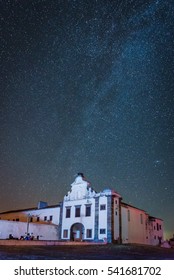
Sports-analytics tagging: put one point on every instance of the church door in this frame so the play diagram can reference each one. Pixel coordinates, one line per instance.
(77, 231)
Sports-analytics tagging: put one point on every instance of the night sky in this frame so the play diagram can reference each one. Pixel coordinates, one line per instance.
(87, 86)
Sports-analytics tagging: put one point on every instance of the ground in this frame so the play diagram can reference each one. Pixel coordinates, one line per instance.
(90, 252)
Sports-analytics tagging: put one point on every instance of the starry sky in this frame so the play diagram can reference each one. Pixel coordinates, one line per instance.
(87, 86)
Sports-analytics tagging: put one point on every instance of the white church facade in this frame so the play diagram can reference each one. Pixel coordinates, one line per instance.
(85, 215)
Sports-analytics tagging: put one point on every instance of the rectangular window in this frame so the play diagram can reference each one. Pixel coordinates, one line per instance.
(128, 215)
(88, 210)
(31, 219)
(38, 219)
(51, 218)
(77, 211)
(17, 220)
(88, 233)
(102, 231)
(45, 218)
(116, 213)
(68, 212)
(103, 207)
(141, 218)
(157, 226)
(65, 233)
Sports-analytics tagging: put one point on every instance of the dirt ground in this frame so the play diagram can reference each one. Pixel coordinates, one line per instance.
(90, 252)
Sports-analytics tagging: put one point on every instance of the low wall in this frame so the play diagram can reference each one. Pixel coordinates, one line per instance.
(43, 243)
(18, 229)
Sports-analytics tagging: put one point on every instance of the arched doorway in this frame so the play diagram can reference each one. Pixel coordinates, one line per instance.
(77, 232)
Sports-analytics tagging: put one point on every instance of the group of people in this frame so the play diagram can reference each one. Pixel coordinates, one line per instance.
(27, 236)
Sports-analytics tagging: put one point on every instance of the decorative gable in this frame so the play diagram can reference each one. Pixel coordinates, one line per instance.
(80, 189)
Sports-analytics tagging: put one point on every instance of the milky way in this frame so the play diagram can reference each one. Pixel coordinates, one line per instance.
(87, 86)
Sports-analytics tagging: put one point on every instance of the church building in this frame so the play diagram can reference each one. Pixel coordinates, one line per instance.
(85, 215)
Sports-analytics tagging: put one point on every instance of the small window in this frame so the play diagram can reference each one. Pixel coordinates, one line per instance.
(128, 215)
(88, 233)
(102, 231)
(68, 212)
(45, 218)
(88, 210)
(51, 218)
(157, 226)
(65, 233)
(116, 213)
(17, 220)
(141, 218)
(38, 219)
(103, 207)
(77, 211)
(31, 219)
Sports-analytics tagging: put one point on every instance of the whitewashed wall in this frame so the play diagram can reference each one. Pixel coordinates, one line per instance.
(18, 229)
(133, 230)
(87, 222)
(154, 232)
(136, 229)
(124, 224)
